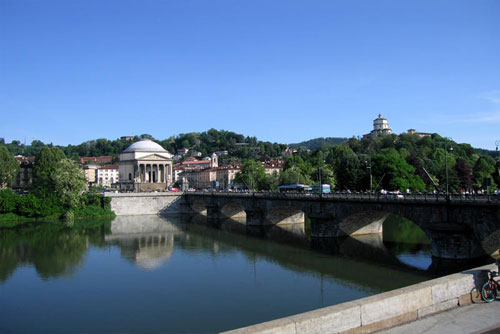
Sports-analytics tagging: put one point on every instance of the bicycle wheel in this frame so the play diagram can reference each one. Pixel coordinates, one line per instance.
(489, 292)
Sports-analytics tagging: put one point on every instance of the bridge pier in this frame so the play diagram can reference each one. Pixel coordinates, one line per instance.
(452, 244)
(185, 207)
(322, 225)
(213, 212)
(255, 217)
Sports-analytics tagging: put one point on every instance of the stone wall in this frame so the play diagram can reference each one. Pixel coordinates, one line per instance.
(131, 204)
(370, 314)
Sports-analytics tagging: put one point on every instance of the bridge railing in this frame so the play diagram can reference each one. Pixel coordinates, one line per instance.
(417, 197)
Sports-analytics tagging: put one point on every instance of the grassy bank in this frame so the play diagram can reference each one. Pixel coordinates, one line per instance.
(17, 210)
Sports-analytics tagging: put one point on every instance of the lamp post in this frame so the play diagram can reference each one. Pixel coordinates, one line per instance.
(446, 165)
(320, 184)
(369, 167)
(497, 143)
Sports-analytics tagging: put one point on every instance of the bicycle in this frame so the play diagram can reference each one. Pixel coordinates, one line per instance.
(490, 289)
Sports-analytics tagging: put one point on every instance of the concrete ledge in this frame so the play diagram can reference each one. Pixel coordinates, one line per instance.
(332, 319)
(385, 310)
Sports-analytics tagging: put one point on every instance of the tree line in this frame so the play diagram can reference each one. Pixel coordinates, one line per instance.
(57, 190)
(237, 145)
(391, 162)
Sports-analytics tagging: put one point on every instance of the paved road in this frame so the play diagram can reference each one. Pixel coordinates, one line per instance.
(478, 318)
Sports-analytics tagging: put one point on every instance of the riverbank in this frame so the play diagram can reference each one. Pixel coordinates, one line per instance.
(11, 220)
(385, 310)
(17, 210)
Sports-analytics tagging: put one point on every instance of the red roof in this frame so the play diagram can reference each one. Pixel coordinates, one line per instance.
(109, 167)
(197, 162)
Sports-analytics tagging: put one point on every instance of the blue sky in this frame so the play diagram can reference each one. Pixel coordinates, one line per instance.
(281, 70)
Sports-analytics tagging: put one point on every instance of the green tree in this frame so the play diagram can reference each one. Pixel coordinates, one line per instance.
(346, 166)
(45, 164)
(8, 167)
(254, 177)
(483, 172)
(69, 182)
(397, 174)
(8, 201)
(293, 176)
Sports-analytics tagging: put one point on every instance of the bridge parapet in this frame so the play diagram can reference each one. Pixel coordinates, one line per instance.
(489, 199)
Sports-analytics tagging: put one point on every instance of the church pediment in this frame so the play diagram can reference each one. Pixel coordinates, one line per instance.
(155, 157)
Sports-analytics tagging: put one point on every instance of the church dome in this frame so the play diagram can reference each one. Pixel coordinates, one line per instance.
(145, 145)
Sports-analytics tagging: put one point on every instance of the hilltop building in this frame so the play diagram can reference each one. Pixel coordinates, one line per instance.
(380, 127)
(145, 166)
(420, 134)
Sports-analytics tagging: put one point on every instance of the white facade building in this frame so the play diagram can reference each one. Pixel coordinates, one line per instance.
(107, 176)
(145, 166)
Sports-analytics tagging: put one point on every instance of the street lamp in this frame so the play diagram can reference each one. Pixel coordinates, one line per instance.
(371, 176)
(497, 143)
(446, 165)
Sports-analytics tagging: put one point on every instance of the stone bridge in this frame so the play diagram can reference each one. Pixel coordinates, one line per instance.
(457, 228)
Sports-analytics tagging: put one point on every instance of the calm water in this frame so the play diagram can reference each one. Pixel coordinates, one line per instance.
(178, 275)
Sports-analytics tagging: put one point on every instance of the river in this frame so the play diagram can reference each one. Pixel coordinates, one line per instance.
(146, 274)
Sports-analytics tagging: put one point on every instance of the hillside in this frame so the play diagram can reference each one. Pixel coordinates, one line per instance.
(316, 143)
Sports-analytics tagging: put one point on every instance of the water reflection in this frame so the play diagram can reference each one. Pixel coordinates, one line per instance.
(150, 241)
(147, 241)
(362, 261)
(51, 248)
(181, 273)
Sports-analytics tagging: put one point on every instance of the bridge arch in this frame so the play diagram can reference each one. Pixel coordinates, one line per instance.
(282, 215)
(199, 206)
(233, 210)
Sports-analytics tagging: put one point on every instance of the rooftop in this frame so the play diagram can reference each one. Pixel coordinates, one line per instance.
(145, 145)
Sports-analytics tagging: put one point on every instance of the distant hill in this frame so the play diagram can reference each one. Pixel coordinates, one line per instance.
(204, 143)
(316, 143)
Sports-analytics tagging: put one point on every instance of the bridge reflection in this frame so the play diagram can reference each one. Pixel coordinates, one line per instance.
(365, 261)
(369, 248)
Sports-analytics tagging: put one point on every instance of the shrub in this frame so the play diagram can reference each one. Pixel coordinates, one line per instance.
(93, 211)
(8, 201)
(106, 203)
(89, 199)
(34, 207)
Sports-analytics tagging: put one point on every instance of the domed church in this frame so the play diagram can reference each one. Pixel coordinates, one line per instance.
(145, 166)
